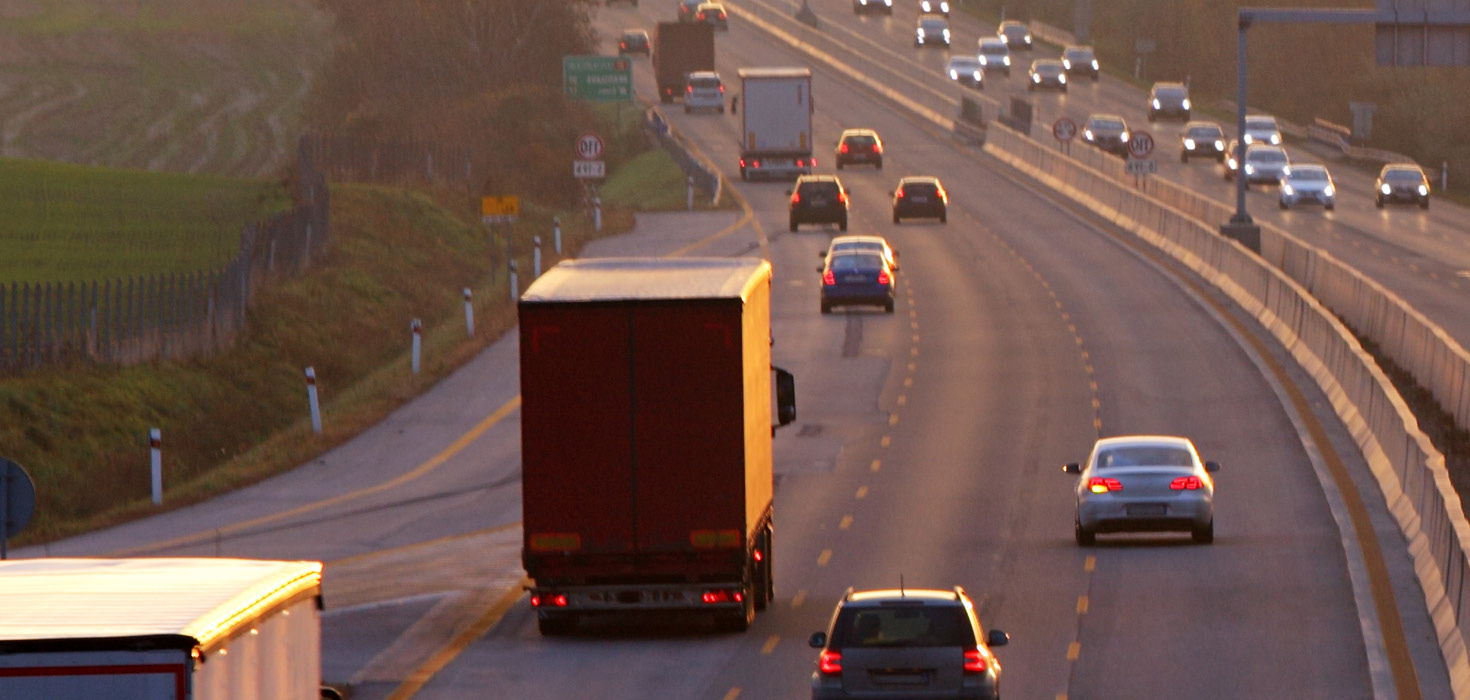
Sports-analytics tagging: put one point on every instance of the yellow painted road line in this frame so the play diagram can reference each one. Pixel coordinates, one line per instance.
(428, 466)
(798, 599)
(771, 643)
(459, 643)
(893, 419)
(1082, 605)
(824, 557)
(1090, 563)
(734, 693)
(875, 466)
(862, 493)
(1073, 650)
(845, 522)
(886, 441)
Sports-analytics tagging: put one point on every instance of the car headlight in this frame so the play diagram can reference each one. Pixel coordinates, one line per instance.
(1423, 190)
(984, 61)
(1219, 145)
(1189, 144)
(1035, 77)
(1285, 170)
(1087, 134)
(1275, 139)
(1062, 78)
(1186, 103)
(954, 74)
(1028, 38)
(1287, 190)
(1124, 137)
(1385, 189)
(1230, 163)
(1067, 63)
(946, 35)
(1329, 191)
(944, 7)
(889, 3)
(1250, 169)
(1094, 64)
(1248, 139)
(919, 35)
(1156, 104)
(1007, 60)
(978, 77)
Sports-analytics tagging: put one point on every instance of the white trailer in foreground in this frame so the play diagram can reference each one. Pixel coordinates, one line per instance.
(776, 123)
(160, 629)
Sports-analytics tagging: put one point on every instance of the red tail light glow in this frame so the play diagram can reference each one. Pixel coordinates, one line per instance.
(844, 148)
(975, 661)
(759, 555)
(830, 663)
(723, 596)
(795, 196)
(841, 196)
(1186, 483)
(877, 148)
(722, 88)
(882, 277)
(1098, 484)
(689, 89)
(555, 600)
(828, 278)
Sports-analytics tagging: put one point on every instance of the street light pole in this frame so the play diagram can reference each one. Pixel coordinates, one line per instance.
(1241, 227)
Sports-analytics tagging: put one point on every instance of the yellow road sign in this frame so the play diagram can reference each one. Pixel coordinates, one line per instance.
(509, 205)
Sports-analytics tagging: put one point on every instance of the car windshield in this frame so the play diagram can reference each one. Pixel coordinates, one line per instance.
(1204, 132)
(1262, 124)
(902, 626)
(1109, 125)
(964, 63)
(1048, 68)
(993, 46)
(1079, 54)
(1308, 174)
(1144, 456)
(932, 25)
(1403, 175)
(818, 189)
(1170, 93)
(856, 262)
(1264, 156)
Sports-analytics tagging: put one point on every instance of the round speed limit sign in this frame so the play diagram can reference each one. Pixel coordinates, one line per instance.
(589, 147)
(1064, 129)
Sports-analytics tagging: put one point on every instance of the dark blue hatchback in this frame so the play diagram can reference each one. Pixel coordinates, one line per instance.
(857, 279)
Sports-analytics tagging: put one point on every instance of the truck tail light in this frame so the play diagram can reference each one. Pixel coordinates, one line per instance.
(758, 555)
(877, 148)
(1098, 484)
(830, 663)
(722, 88)
(1186, 483)
(723, 596)
(828, 278)
(689, 89)
(975, 661)
(883, 277)
(551, 600)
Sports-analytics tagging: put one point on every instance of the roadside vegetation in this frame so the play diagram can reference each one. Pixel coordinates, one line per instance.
(1298, 72)
(396, 254)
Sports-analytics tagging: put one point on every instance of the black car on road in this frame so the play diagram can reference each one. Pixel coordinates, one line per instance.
(920, 196)
(818, 199)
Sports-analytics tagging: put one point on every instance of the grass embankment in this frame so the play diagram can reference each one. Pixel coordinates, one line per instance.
(240, 416)
(61, 222)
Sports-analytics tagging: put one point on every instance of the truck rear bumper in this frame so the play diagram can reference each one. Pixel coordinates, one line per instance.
(632, 597)
(775, 167)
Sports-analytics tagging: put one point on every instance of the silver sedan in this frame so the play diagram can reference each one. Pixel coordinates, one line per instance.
(1308, 183)
(1144, 483)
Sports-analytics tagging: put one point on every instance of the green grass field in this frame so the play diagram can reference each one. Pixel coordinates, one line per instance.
(63, 222)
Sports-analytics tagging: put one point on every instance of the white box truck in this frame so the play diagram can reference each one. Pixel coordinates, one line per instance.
(160, 629)
(776, 109)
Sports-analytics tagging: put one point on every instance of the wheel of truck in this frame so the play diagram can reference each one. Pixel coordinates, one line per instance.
(556, 625)
(738, 620)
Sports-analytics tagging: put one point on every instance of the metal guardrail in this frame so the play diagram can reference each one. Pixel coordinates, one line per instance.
(1298, 292)
(706, 176)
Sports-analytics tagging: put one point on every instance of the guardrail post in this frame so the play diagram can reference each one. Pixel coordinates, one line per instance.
(689, 193)
(536, 256)
(556, 233)
(155, 460)
(597, 214)
(515, 283)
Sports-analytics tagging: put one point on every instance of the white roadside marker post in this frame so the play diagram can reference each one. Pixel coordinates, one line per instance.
(469, 313)
(155, 458)
(311, 398)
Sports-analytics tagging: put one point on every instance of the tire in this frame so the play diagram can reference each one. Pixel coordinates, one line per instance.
(738, 621)
(1378, 202)
(839, 165)
(1330, 207)
(1085, 537)
(1152, 118)
(1283, 204)
(666, 99)
(826, 307)
(944, 217)
(895, 217)
(1424, 204)
(888, 306)
(1204, 535)
(1183, 157)
(765, 578)
(722, 109)
(842, 225)
(880, 167)
(687, 109)
(556, 626)
(793, 225)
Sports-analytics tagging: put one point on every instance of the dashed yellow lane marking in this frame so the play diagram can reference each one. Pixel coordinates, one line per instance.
(914, 352)
(1073, 650)
(885, 441)
(845, 522)
(1082, 605)
(914, 325)
(1061, 696)
(1059, 305)
(1097, 424)
(1079, 340)
(862, 493)
(1072, 328)
(824, 557)
(876, 465)
(914, 338)
(1096, 404)
(1092, 384)
(734, 693)
(1090, 563)
(913, 366)
(1065, 316)
(893, 419)
(908, 382)
(1085, 356)
(1087, 368)
(903, 399)
(798, 599)
(770, 644)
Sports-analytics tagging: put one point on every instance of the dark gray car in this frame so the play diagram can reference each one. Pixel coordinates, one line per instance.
(910, 643)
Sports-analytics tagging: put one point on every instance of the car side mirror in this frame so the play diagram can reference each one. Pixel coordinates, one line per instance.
(820, 269)
(1212, 466)
(822, 254)
(997, 638)
(817, 640)
(1072, 468)
(788, 191)
(785, 397)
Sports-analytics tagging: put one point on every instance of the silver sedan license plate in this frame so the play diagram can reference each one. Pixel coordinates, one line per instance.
(1147, 510)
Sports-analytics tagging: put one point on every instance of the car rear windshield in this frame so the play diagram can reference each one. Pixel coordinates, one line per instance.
(710, 83)
(818, 189)
(1144, 456)
(858, 140)
(856, 262)
(933, 25)
(1264, 123)
(854, 247)
(903, 626)
(919, 188)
